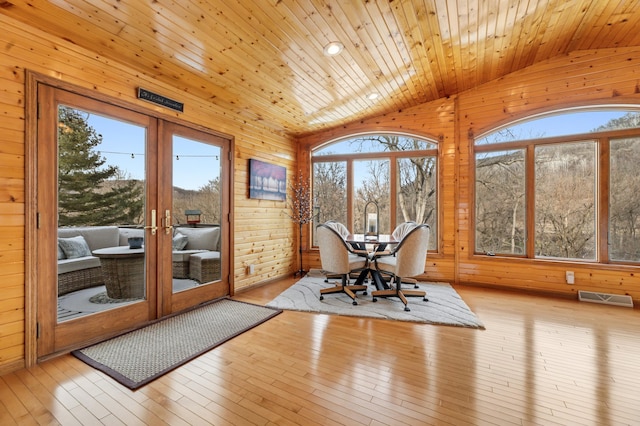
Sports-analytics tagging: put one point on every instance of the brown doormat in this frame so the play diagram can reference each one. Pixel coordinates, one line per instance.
(140, 356)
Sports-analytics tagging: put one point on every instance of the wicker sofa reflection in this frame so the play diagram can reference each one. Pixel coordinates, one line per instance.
(196, 256)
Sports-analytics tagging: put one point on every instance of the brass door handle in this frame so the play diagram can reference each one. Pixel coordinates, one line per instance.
(167, 222)
(153, 226)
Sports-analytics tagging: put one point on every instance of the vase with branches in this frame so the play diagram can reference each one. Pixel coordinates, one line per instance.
(300, 209)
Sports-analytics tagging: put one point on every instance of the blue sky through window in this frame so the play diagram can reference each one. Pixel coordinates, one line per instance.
(123, 144)
(558, 124)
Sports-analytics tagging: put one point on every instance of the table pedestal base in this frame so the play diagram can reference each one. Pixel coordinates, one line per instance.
(124, 278)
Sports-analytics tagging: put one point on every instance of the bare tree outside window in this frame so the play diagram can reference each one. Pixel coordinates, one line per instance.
(417, 193)
(624, 200)
(566, 185)
(372, 185)
(329, 192)
(207, 199)
(500, 202)
(566, 200)
(414, 191)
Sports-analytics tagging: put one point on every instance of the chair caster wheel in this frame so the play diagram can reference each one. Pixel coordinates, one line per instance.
(425, 300)
(375, 299)
(321, 297)
(355, 303)
(406, 309)
(416, 286)
(326, 280)
(365, 293)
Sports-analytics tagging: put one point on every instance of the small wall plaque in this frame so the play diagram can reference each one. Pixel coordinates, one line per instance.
(160, 100)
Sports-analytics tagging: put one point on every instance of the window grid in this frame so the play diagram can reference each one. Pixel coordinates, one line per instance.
(359, 167)
(615, 189)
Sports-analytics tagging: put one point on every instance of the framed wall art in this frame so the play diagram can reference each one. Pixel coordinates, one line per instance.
(267, 181)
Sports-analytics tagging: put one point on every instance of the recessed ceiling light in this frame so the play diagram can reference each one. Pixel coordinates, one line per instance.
(373, 96)
(333, 48)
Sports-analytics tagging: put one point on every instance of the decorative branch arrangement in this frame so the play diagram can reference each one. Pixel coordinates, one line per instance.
(300, 202)
(301, 209)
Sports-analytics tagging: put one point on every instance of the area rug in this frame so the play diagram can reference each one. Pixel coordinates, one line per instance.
(445, 306)
(138, 357)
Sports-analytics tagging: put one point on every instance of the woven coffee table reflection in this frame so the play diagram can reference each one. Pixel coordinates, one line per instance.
(123, 271)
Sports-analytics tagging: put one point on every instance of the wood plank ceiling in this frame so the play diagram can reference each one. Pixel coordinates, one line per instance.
(263, 60)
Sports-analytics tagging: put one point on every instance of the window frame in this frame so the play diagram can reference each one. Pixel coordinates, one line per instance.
(602, 213)
(392, 157)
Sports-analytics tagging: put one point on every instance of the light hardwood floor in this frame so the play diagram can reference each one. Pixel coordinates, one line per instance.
(540, 361)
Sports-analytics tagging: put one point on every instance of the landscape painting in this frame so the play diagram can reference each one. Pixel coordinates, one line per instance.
(267, 181)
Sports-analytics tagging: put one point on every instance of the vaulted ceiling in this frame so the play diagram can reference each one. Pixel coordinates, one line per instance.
(263, 59)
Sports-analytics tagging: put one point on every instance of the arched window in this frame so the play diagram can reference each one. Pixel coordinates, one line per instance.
(396, 171)
(562, 186)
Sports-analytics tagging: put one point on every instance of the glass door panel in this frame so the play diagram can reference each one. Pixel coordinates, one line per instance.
(196, 211)
(93, 174)
(197, 217)
(101, 204)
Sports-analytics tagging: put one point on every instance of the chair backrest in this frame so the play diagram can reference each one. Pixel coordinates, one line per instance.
(339, 228)
(334, 254)
(398, 234)
(411, 253)
(402, 230)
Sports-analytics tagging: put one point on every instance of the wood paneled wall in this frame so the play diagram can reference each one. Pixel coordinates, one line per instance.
(604, 77)
(263, 235)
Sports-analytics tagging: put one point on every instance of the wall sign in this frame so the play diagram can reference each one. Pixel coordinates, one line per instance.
(160, 100)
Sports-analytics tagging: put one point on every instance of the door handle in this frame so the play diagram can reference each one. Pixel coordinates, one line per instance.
(167, 222)
(153, 226)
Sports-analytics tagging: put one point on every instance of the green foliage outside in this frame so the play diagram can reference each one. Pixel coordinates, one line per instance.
(90, 193)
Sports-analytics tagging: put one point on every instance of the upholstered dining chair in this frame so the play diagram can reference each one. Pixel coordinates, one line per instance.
(397, 235)
(405, 261)
(344, 232)
(338, 259)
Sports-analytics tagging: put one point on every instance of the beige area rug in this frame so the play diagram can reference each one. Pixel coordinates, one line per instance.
(445, 306)
(138, 357)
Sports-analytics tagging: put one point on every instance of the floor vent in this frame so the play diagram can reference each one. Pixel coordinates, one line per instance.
(608, 299)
